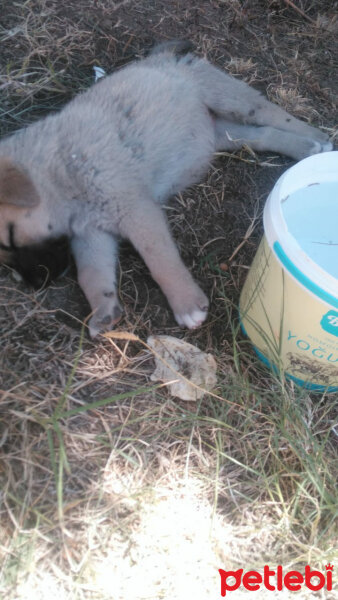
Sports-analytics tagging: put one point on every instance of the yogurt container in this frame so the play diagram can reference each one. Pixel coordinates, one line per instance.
(289, 302)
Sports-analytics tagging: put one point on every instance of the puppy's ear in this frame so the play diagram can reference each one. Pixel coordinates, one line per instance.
(16, 187)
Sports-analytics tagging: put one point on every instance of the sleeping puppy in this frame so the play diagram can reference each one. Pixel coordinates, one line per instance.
(101, 169)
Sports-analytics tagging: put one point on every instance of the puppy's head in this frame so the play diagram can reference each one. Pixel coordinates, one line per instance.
(26, 241)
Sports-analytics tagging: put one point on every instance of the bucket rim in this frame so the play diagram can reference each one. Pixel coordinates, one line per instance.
(319, 168)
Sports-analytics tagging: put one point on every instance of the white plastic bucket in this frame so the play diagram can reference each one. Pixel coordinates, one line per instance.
(289, 302)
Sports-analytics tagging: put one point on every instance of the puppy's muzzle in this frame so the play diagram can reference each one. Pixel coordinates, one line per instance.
(40, 264)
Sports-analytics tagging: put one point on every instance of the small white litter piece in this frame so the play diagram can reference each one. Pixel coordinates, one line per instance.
(99, 72)
(184, 365)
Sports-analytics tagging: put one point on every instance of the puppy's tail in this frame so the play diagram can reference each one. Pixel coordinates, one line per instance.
(178, 47)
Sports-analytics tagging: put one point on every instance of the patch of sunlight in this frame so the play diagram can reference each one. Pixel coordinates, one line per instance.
(171, 554)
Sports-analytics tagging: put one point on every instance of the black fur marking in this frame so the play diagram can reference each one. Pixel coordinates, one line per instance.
(40, 264)
(11, 243)
(117, 313)
(106, 320)
(11, 236)
(176, 47)
(113, 318)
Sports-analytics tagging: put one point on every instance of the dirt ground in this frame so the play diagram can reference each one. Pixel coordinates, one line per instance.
(54, 460)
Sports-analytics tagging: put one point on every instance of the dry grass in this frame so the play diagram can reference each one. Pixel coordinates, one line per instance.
(109, 487)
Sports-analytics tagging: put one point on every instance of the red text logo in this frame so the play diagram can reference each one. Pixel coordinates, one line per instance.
(276, 580)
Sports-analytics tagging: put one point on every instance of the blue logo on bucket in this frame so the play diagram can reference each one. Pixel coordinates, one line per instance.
(329, 322)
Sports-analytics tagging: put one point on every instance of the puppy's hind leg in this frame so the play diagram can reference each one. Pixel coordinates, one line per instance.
(146, 227)
(231, 136)
(236, 101)
(95, 254)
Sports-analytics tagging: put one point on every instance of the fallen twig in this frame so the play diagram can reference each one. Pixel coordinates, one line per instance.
(300, 11)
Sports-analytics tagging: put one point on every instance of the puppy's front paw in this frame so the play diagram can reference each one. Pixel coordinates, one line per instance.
(327, 147)
(193, 319)
(104, 319)
(191, 309)
(308, 146)
(318, 147)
